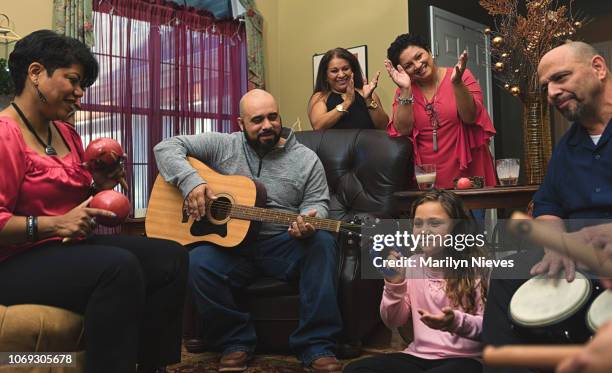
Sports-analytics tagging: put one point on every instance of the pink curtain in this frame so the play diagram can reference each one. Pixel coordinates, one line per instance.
(165, 70)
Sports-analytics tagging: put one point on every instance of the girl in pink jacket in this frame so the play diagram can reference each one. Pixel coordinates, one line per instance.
(441, 294)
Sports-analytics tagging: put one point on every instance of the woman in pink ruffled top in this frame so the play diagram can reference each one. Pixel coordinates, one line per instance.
(441, 110)
(444, 305)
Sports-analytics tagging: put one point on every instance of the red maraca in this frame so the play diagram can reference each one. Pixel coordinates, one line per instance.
(112, 201)
(104, 153)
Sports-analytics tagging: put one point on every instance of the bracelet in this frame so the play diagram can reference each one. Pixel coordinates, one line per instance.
(373, 105)
(32, 228)
(405, 101)
(341, 109)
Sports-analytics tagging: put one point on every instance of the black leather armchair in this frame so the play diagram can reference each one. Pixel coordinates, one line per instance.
(363, 168)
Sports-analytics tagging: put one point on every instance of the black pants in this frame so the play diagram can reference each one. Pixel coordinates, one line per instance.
(405, 363)
(130, 290)
(497, 328)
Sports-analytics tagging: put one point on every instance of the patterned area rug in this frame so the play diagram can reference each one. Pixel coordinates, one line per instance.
(208, 362)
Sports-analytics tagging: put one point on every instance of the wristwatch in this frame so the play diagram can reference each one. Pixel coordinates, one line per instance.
(406, 100)
(373, 105)
(341, 108)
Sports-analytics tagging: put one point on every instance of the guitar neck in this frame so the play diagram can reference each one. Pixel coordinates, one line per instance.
(281, 217)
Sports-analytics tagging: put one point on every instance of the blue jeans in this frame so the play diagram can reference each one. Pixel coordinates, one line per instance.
(215, 271)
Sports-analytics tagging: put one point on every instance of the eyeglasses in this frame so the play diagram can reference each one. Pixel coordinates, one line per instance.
(433, 119)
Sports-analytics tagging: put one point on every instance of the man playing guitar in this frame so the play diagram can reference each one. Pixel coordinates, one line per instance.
(295, 182)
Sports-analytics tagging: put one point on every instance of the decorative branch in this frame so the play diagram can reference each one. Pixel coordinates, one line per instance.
(520, 40)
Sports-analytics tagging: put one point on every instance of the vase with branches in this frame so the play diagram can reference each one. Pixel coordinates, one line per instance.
(524, 31)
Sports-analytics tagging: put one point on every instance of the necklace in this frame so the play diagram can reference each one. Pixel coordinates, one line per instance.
(433, 116)
(49, 150)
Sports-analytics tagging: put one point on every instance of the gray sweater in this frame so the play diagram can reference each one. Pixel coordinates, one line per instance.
(292, 174)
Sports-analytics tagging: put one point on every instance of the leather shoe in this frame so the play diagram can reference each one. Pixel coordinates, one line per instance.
(325, 364)
(235, 361)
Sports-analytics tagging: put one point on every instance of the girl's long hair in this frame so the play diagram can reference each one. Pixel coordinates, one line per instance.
(461, 283)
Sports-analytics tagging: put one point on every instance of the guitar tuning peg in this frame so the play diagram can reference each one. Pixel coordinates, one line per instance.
(350, 234)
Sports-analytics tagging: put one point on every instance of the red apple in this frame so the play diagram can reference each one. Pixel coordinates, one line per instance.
(112, 201)
(464, 183)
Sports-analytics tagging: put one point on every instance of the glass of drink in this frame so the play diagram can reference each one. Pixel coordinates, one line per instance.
(508, 171)
(425, 175)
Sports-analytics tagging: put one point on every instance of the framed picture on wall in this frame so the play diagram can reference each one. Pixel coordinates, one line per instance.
(360, 52)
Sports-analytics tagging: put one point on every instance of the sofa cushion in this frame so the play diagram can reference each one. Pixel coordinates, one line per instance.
(37, 328)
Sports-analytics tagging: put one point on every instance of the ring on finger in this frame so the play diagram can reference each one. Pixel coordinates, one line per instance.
(92, 222)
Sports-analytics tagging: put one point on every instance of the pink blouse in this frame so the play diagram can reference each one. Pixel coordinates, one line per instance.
(424, 290)
(31, 184)
(463, 149)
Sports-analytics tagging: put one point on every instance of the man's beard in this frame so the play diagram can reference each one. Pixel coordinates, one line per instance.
(263, 147)
(576, 114)
(582, 110)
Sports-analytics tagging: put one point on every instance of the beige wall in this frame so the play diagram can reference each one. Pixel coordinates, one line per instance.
(294, 30)
(26, 16)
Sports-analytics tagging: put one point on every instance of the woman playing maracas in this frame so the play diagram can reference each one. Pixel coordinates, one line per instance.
(130, 290)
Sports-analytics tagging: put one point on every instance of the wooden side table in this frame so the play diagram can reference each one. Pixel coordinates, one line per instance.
(481, 198)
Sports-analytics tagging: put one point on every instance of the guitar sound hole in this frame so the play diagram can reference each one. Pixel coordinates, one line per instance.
(220, 208)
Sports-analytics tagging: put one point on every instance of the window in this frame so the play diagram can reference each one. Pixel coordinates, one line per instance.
(163, 72)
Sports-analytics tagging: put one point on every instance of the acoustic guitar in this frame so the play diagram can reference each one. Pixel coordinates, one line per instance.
(230, 220)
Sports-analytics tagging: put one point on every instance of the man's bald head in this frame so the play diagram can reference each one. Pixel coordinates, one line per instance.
(576, 50)
(254, 97)
(582, 50)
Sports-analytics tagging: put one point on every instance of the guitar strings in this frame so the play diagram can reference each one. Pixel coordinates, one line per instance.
(227, 207)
